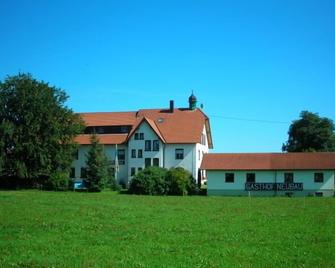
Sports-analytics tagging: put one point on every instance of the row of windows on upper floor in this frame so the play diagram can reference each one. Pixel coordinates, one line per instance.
(148, 162)
(107, 129)
(148, 146)
(179, 153)
(121, 155)
(288, 177)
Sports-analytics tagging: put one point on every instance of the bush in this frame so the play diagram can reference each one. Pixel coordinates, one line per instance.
(150, 181)
(159, 181)
(58, 181)
(180, 182)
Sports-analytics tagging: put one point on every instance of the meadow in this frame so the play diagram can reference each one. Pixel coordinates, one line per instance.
(66, 229)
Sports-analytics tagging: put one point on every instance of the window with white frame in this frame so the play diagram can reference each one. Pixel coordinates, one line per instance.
(179, 154)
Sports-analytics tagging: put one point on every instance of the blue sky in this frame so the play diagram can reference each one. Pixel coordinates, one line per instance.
(263, 60)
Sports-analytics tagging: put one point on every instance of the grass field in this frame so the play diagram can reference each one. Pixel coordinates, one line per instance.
(55, 229)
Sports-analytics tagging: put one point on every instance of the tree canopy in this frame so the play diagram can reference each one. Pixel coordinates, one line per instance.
(311, 133)
(37, 130)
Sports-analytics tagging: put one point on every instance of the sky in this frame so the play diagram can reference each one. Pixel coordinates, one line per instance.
(254, 65)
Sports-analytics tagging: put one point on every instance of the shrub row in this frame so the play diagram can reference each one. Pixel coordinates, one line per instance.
(160, 181)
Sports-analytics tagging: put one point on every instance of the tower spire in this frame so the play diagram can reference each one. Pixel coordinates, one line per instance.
(192, 100)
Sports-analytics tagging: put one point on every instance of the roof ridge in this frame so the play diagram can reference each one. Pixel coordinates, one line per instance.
(106, 112)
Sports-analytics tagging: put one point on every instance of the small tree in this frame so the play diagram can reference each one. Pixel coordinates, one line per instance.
(180, 181)
(310, 133)
(150, 181)
(98, 173)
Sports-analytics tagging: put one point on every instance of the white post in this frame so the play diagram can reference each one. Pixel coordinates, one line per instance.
(116, 165)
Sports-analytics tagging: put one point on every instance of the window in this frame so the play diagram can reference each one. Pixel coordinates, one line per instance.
(100, 130)
(147, 162)
(155, 145)
(132, 171)
(140, 153)
(288, 177)
(155, 162)
(318, 177)
(203, 139)
(230, 177)
(318, 193)
(141, 136)
(76, 155)
(133, 153)
(179, 153)
(121, 156)
(123, 129)
(147, 145)
(136, 136)
(83, 173)
(139, 169)
(72, 173)
(250, 177)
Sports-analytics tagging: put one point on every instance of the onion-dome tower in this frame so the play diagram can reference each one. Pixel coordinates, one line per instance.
(192, 100)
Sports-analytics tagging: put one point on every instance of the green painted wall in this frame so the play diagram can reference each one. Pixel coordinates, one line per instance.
(216, 184)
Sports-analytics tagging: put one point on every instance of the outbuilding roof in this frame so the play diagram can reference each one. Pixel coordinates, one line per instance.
(268, 161)
(179, 126)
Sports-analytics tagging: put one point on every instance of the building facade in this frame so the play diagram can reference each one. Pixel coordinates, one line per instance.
(270, 174)
(172, 137)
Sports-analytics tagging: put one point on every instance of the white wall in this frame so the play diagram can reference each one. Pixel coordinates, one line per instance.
(110, 152)
(216, 182)
(187, 163)
(149, 134)
(201, 149)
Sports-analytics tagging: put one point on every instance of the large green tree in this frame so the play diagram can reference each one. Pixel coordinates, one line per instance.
(311, 133)
(99, 175)
(37, 130)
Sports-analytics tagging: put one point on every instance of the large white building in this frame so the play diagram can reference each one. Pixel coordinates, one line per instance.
(172, 137)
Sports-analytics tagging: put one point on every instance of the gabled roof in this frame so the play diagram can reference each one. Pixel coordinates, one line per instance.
(85, 139)
(179, 126)
(268, 161)
(151, 123)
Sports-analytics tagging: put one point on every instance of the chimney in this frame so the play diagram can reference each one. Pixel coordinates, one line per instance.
(171, 106)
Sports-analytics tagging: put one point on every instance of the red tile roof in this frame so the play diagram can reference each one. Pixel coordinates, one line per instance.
(181, 126)
(268, 161)
(109, 119)
(84, 139)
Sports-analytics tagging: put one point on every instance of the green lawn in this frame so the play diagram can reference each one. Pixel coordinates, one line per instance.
(43, 229)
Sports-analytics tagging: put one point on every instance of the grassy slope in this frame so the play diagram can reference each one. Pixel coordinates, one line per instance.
(41, 229)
